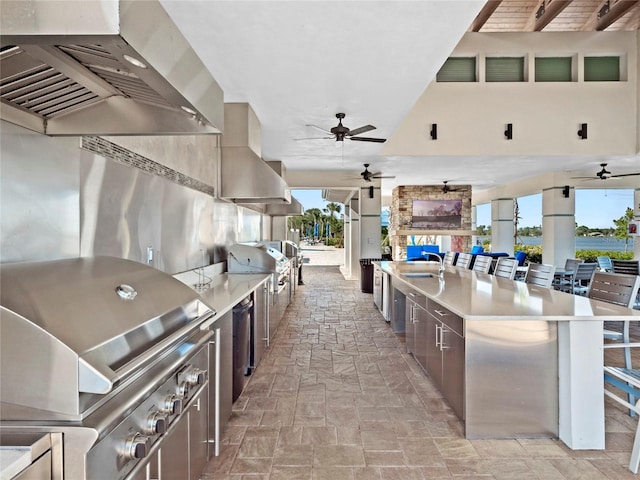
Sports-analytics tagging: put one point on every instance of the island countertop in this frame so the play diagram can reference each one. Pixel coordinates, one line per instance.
(523, 346)
(476, 296)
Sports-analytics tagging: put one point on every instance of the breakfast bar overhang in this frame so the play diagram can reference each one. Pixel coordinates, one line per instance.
(532, 362)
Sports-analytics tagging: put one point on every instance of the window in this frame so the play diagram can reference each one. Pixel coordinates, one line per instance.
(553, 69)
(504, 69)
(601, 69)
(458, 69)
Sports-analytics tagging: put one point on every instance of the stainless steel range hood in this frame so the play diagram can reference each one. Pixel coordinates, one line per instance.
(244, 176)
(283, 210)
(102, 67)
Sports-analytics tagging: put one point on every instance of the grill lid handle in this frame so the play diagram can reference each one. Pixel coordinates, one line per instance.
(126, 292)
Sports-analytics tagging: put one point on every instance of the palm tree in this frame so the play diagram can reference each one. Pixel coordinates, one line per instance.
(332, 208)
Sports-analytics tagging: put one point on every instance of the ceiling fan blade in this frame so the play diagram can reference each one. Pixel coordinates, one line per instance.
(384, 176)
(586, 178)
(368, 139)
(315, 138)
(624, 175)
(319, 128)
(358, 131)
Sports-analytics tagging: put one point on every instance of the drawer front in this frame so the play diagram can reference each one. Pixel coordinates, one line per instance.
(38, 470)
(418, 298)
(446, 316)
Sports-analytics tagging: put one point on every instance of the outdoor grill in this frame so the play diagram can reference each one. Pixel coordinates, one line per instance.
(108, 352)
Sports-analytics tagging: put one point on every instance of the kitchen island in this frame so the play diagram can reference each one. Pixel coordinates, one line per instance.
(514, 360)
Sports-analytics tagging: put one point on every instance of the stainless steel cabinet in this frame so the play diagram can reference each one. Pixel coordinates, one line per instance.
(398, 309)
(377, 286)
(260, 324)
(220, 380)
(386, 283)
(175, 465)
(280, 302)
(416, 318)
(445, 357)
(198, 448)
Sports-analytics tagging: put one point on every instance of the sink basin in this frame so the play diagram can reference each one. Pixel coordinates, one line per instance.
(417, 275)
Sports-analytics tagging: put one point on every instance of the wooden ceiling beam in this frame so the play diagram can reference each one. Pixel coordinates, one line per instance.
(607, 13)
(544, 13)
(484, 14)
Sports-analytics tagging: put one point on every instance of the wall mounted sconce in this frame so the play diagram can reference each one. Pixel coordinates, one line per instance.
(565, 191)
(582, 133)
(508, 133)
(371, 192)
(434, 131)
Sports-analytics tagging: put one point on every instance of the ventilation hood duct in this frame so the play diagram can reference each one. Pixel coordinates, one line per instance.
(104, 67)
(244, 176)
(284, 210)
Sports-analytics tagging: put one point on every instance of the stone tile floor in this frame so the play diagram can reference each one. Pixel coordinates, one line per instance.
(336, 397)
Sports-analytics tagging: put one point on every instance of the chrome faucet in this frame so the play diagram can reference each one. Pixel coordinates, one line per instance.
(440, 262)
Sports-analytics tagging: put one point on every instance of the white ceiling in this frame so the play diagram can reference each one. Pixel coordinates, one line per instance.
(301, 62)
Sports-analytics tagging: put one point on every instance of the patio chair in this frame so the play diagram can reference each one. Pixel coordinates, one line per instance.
(604, 263)
(628, 267)
(464, 260)
(506, 267)
(450, 258)
(569, 267)
(540, 274)
(625, 379)
(628, 381)
(578, 283)
(482, 264)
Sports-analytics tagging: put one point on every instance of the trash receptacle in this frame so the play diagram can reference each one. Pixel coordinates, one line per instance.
(366, 274)
(241, 344)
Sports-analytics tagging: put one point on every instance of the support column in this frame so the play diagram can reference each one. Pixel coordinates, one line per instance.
(558, 226)
(370, 225)
(347, 240)
(502, 225)
(354, 264)
(636, 216)
(474, 224)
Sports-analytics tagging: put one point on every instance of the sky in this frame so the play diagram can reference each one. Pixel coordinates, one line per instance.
(595, 208)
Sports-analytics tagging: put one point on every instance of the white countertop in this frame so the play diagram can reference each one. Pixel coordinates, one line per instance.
(13, 460)
(224, 290)
(479, 296)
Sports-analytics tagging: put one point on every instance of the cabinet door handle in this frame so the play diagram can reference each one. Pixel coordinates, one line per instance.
(441, 313)
(437, 335)
(443, 330)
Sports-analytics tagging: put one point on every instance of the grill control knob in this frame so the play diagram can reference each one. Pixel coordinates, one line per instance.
(183, 389)
(157, 423)
(136, 446)
(173, 405)
(197, 377)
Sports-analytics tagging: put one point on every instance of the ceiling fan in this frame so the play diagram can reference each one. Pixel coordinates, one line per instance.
(369, 176)
(446, 188)
(340, 132)
(604, 174)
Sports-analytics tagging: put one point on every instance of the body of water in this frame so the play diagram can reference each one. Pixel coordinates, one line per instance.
(583, 243)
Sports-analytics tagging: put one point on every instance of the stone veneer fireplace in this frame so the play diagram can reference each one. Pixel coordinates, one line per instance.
(400, 223)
